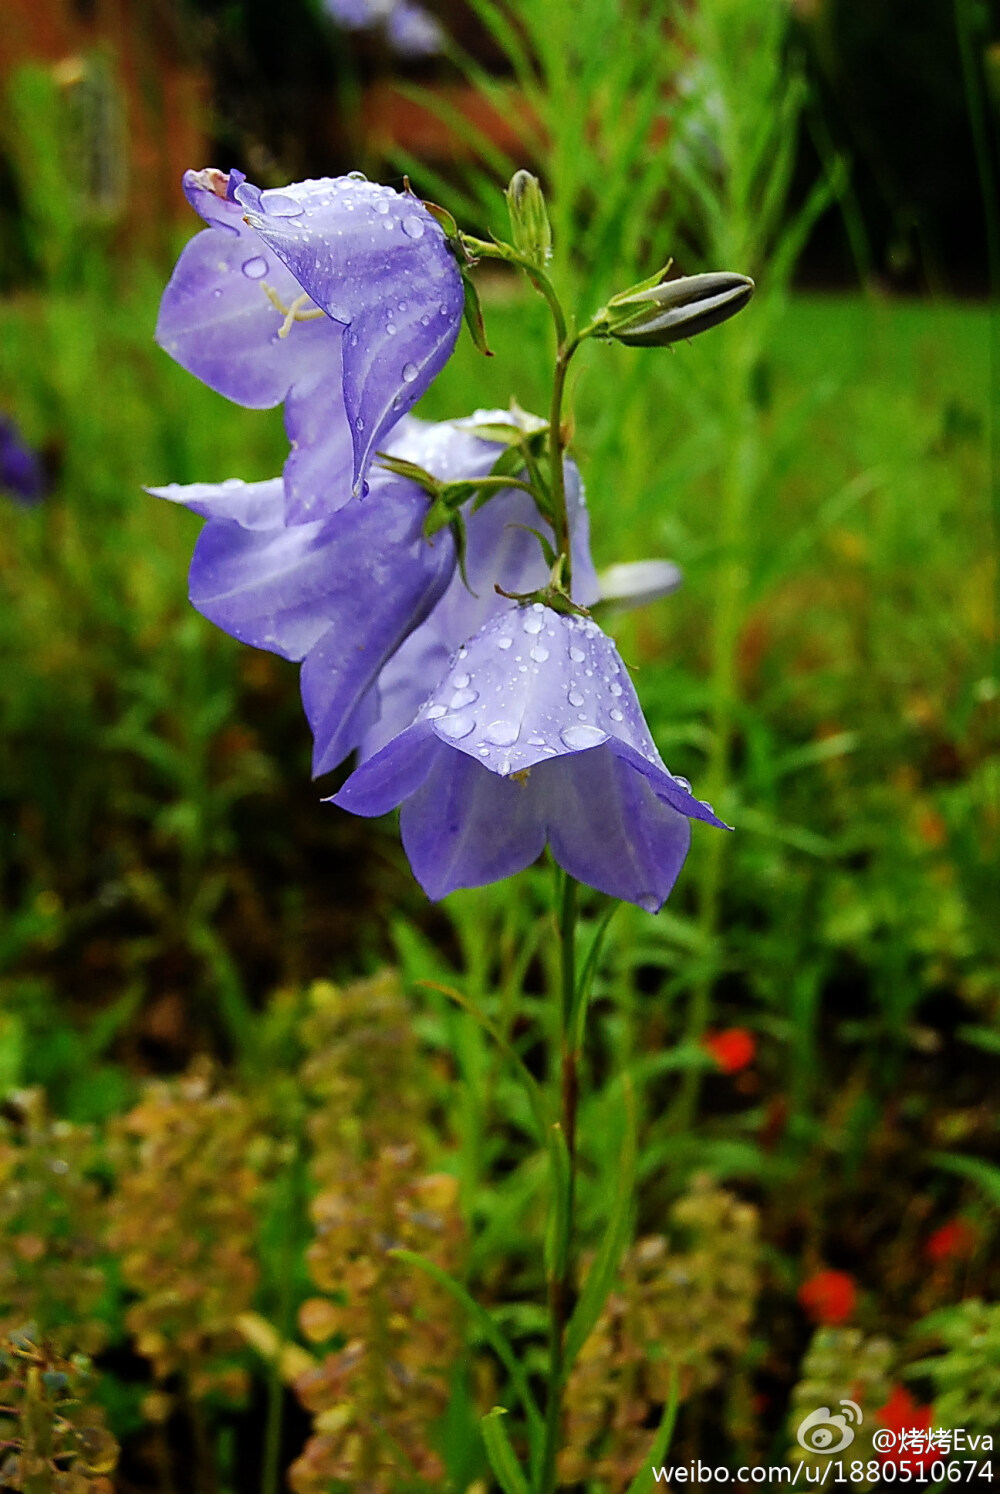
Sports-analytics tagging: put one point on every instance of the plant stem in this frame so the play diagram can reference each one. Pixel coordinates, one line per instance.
(561, 1281)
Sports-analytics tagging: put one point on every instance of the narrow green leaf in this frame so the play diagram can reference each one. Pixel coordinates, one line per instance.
(501, 1455)
(473, 312)
(643, 1480)
(602, 1273)
(984, 1174)
(581, 1000)
(493, 1335)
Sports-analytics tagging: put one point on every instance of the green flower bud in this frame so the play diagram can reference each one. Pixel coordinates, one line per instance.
(529, 219)
(651, 316)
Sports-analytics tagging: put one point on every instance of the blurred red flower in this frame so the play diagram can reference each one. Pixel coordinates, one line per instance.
(733, 1049)
(829, 1297)
(902, 1414)
(954, 1241)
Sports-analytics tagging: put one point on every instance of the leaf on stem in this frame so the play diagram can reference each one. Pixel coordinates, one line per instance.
(503, 1459)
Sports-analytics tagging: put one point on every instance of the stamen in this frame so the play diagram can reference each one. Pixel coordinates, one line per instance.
(294, 313)
(521, 776)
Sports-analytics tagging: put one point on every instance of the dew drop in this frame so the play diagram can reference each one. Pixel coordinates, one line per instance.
(356, 176)
(504, 642)
(539, 654)
(460, 681)
(502, 733)
(616, 715)
(682, 783)
(575, 698)
(484, 752)
(535, 740)
(532, 623)
(354, 339)
(425, 321)
(615, 688)
(256, 268)
(435, 711)
(381, 206)
(413, 228)
(463, 698)
(410, 371)
(577, 655)
(279, 205)
(391, 329)
(401, 306)
(359, 424)
(649, 903)
(217, 292)
(576, 738)
(457, 727)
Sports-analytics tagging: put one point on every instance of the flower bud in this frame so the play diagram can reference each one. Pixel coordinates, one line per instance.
(529, 219)
(651, 316)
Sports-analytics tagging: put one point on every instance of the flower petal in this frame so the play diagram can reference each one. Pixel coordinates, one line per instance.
(377, 262)
(465, 827)
(217, 320)
(608, 829)
(391, 776)
(252, 505)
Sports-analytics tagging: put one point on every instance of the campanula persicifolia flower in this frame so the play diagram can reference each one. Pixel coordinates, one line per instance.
(534, 736)
(829, 1297)
(345, 590)
(22, 475)
(338, 297)
(733, 1049)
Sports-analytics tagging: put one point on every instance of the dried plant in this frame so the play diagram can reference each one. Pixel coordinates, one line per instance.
(683, 1309)
(52, 1438)
(183, 1221)
(52, 1223)
(378, 1393)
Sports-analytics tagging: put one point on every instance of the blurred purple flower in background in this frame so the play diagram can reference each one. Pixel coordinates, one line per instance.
(339, 297)
(410, 30)
(534, 736)
(22, 476)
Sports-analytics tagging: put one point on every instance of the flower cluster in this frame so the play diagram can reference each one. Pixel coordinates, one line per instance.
(684, 1311)
(52, 1435)
(183, 1222)
(839, 1364)
(379, 1390)
(420, 573)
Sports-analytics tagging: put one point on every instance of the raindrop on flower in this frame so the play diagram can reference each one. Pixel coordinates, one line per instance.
(256, 268)
(682, 783)
(539, 654)
(457, 727)
(615, 688)
(616, 715)
(280, 205)
(575, 698)
(502, 733)
(410, 371)
(413, 228)
(576, 738)
(435, 711)
(463, 698)
(532, 624)
(577, 655)
(504, 642)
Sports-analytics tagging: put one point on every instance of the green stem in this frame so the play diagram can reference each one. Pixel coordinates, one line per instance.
(561, 1282)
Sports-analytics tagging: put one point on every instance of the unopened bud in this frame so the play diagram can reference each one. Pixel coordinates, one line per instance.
(529, 218)
(637, 582)
(651, 316)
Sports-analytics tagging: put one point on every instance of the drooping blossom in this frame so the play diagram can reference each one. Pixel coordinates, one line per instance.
(338, 297)
(829, 1297)
(343, 594)
(22, 475)
(733, 1049)
(534, 736)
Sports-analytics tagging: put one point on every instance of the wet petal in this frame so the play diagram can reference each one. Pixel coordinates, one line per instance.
(217, 320)
(608, 829)
(395, 773)
(378, 263)
(252, 505)
(465, 827)
(319, 472)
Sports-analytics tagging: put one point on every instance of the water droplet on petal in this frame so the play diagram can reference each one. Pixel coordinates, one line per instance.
(504, 642)
(391, 329)
(356, 176)
(539, 654)
(425, 321)
(532, 623)
(502, 733)
(381, 206)
(576, 738)
(649, 903)
(575, 698)
(460, 681)
(577, 655)
(456, 727)
(413, 227)
(616, 715)
(280, 205)
(615, 688)
(256, 268)
(435, 711)
(682, 783)
(463, 698)
(410, 372)
(535, 740)
(359, 424)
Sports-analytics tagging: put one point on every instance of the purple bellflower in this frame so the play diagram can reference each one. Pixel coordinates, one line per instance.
(534, 736)
(410, 30)
(21, 472)
(339, 297)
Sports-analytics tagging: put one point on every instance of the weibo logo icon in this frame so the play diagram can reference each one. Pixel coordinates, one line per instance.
(825, 1431)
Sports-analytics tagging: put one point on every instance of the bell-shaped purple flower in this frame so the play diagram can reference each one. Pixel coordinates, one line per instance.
(534, 736)
(340, 594)
(378, 264)
(21, 472)
(349, 348)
